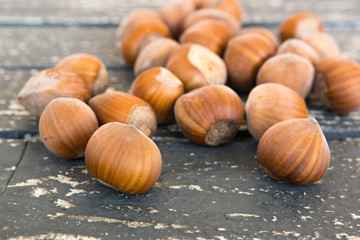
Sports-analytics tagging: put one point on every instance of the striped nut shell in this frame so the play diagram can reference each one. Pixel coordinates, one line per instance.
(270, 103)
(209, 115)
(66, 126)
(337, 84)
(124, 108)
(294, 151)
(121, 156)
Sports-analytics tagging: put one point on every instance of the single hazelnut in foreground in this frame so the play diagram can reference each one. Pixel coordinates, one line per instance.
(122, 157)
(270, 103)
(299, 47)
(174, 12)
(300, 25)
(160, 88)
(155, 54)
(90, 68)
(337, 84)
(290, 70)
(324, 44)
(294, 151)
(48, 84)
(243, 56)
(197, 66)
(209, 115)
(208, 33)
(66, 126)
(124, 108)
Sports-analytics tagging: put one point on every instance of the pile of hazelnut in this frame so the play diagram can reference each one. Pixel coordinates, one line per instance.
(182, 57)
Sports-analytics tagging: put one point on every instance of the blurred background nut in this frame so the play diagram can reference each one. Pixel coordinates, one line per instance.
(270, 103)
(138, 29)
(208, 33)
(48, 84)
(299, 47)
(155, 54)
(160, 88)
(231, 6)
(263, 32)
(290, 70)
(300, 25)
(324, 44)
(197, 66)
(174, 12)
(90, 68)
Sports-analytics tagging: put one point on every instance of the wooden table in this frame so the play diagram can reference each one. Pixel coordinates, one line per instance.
(203, 192)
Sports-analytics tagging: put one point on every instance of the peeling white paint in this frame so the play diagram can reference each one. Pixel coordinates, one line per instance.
(55, 236)
(29, 182)
(10, 168)
(75, 191)
(242, 215)
(354, 216)
(178, 226)
(337, 222)
(38, 192)
(64, 204)
(347, 236)
(65, 180)
(161, 226)
(304, 218)
(287, 233)
(190, 187)
(56, 215)
(131, 224)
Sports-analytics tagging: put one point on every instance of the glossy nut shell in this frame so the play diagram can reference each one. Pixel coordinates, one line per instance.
(90, 68)
(290, 70)
(197, 66)
(243, 56)
(121, 156)
(270, 103)
(337, 84)
(209, 115)
(160, 88)
(294, 151)
(48, 84)
(66, 126)
(124, 108)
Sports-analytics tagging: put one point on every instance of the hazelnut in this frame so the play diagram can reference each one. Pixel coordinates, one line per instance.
(323, 44)
(197, 66)
(232, 24)
(90, 68)
(124, 108)
(290, 70)
(299, 47)
(209, 115)
(231, 6)
(337, 84)
(243, 56)
(122, 157)
(173, 12)
(48, 84)
(66, 126)
(160, 88)
(270, 103)
(263, 32)
(300, 25)
(208, 33)
(294, 151)
(135, 33)
(155, 54)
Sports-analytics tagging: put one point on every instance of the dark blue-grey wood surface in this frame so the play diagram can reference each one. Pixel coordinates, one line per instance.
(202, 193)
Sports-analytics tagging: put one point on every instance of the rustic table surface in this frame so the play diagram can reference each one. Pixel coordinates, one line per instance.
(203, 192)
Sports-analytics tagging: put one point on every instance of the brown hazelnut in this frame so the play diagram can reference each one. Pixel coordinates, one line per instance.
(324, 44)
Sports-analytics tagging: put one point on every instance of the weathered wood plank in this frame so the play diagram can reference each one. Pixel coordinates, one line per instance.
(11, 153)
(202, 193)
(112, 11)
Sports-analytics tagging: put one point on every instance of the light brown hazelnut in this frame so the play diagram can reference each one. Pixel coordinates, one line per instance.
(324, 44)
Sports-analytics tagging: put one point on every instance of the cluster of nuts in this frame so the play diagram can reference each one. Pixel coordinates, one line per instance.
(182, 57)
